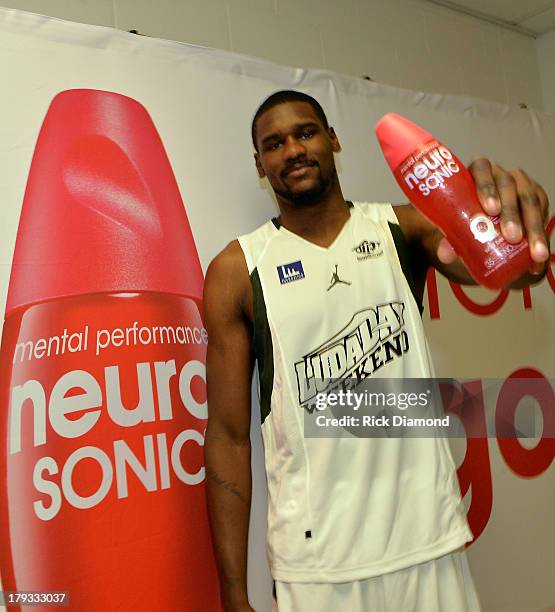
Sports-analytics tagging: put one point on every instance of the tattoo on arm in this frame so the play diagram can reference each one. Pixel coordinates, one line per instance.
(227, 485)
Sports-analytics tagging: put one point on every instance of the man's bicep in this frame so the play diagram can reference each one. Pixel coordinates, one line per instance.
(229, 354)
(229, 372)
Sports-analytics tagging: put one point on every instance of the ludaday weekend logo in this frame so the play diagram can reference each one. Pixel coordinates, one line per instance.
(290, 272)
(371, 339)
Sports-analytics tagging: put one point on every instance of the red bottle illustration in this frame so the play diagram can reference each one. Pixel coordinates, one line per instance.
(438, 184)
(102, 392)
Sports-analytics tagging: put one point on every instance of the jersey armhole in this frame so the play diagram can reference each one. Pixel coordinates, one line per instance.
(389, 213)
(246, 253)
(403, 254)
(262, 346)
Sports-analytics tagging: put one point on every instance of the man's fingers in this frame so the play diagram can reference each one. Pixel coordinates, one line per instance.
(533, 213)
(522, 206)
(483, 174)
(511, 225)
(544, 201)
(445, 252)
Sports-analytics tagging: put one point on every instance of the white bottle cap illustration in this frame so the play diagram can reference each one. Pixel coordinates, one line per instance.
(482, 227)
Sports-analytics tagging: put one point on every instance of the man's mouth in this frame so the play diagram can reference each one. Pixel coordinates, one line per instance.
(298, 170)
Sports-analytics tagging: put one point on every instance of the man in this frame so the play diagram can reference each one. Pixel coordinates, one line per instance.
(353, 524)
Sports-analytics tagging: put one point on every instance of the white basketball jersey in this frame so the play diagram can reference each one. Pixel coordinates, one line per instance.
(343, 509)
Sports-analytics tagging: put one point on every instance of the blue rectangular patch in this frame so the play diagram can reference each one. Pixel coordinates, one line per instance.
(290, 272)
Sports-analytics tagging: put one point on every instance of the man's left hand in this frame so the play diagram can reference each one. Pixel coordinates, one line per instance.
(521, 203)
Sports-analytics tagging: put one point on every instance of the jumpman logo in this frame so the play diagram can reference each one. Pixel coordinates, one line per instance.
(335, 279)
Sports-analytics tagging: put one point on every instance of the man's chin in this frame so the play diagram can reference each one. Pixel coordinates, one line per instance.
(305, 197)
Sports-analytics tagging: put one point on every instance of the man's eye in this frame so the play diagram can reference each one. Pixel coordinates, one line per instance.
(307, 134)
(272, 146)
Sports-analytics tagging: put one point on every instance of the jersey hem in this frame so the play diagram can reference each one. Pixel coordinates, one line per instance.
(378, 568)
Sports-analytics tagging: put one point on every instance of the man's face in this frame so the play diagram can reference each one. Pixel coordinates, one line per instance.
(295, 152)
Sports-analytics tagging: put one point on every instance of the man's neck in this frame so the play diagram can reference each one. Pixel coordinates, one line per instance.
(320, 222)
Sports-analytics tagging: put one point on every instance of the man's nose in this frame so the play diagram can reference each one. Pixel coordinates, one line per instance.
(293, 148)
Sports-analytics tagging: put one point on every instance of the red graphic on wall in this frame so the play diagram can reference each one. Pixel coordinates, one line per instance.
(102, 392)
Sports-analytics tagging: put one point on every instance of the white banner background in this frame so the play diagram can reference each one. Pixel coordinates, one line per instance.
(202, 102)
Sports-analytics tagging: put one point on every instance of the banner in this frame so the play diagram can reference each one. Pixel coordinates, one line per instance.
(171, 131)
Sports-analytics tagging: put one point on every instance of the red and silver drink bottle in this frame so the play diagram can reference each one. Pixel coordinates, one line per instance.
(437, 183)
(102, 373)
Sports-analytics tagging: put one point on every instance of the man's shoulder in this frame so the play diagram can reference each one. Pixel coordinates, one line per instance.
(414, 225)
(411, 221)
(377, 211)
(227, 285)
(229, 260)
(254, 244)
(235, 260)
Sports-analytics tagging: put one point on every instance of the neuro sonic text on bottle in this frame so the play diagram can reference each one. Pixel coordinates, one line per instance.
(429, 169)
(73, 405)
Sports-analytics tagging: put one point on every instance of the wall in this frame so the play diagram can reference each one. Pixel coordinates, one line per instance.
(407, 43)
(546, 59)
(40, 61)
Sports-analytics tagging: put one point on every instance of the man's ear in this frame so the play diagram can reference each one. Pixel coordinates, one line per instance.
(260, 170)
(336, 146)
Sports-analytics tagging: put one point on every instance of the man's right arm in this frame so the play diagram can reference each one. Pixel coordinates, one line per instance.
(228, 308)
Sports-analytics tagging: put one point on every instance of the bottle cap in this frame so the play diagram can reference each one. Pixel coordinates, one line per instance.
(102, 210)
(399, 137)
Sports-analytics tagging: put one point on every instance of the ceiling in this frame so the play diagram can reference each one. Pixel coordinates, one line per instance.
(533, 17)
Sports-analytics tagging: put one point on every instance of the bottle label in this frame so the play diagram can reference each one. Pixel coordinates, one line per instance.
(429, 168)
(497, 250)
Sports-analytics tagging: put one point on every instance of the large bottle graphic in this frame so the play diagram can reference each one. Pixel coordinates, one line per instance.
(437, 183)
(102, 385)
